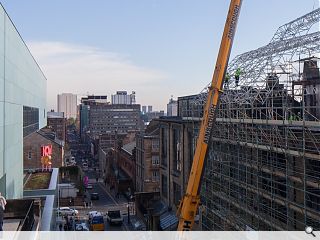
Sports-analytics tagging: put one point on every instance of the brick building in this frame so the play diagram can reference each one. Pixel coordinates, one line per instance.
(147, 159)
(126, 166)
(57, 122)
(32, 149)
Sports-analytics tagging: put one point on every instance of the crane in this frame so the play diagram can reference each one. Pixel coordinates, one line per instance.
(190, 201)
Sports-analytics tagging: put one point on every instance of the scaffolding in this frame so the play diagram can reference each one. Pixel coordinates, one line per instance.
(263, 162)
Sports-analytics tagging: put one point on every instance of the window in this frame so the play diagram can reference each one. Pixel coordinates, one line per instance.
(164, 184)
(176, 193)
(29, 155)
(164, 147)
(155, 176)
(155, 144)
(30, 120)
(176, 150)
(155, 160)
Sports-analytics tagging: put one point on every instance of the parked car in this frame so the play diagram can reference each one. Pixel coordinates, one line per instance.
(94, 196)
(66, 211)
(89, 186)
(114, 217)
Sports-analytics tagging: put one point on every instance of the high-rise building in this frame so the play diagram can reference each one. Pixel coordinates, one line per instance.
(67, 103)
(22, 104)
(149, 108)
(172, 108)
(144, 109)
(84, 109)
(110, 118)
(122, 97)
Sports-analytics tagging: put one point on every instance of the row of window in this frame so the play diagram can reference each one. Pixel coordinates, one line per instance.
(30, 120)
(155, 160)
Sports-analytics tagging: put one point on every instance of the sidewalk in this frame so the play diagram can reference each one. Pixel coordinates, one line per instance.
(118, 200)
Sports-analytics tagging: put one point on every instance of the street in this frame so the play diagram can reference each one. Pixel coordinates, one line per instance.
(106, 201)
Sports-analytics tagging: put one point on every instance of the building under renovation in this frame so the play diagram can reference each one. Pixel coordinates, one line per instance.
(263, 164)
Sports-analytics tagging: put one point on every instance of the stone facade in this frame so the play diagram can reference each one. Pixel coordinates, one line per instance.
(177, 146)
(147, 159)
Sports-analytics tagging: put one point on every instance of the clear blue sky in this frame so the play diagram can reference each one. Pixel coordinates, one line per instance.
(158, 48)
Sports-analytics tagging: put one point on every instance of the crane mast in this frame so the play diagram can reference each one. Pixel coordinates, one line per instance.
(190, 202)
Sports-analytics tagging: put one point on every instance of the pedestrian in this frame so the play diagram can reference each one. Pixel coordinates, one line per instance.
(60, 226)
(237, 76)
(3, 203)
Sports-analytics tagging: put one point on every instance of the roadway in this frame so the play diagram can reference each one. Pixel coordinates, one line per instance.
(105, 202)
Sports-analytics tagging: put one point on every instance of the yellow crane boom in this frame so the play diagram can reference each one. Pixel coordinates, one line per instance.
(190, 202)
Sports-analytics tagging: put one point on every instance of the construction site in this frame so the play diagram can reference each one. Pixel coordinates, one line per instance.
(262, 169)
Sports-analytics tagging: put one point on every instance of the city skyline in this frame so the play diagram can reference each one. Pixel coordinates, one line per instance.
(241, 155)
(156, 49)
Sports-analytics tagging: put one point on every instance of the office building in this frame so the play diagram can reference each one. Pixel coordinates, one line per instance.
(84, 109)
(67, 103)
(144, 109)
(149, 109)
(22, 104)
(122, 97)
(94, 99)
(153, 115)
(110, 118)
(172, 108)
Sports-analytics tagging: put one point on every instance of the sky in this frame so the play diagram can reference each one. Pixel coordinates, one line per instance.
(157, 48)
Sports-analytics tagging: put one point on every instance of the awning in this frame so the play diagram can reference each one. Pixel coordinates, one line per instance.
(168, 220)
